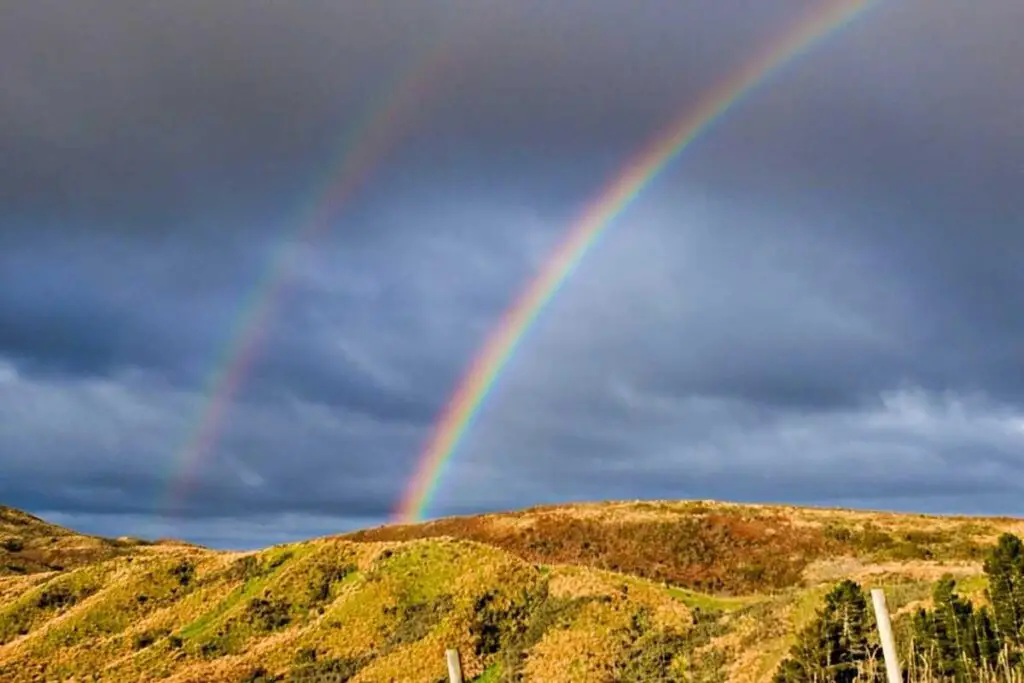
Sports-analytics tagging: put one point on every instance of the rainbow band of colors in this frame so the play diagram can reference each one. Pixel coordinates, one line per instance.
(485, 368)
(367, 142)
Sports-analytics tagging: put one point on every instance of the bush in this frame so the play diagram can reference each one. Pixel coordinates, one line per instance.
(416, 621)
(57, 597)
(252, 567)
(338, 670)
(184, 572)
(259, 675)
(650, 654)
(873, 539)
(327, 575)
(146, 638)
(245, 568)
(837, 533)
(268, 615)
(211, 649)
(12, 545)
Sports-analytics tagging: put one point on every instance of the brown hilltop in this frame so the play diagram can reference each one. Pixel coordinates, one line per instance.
(29, 545)
(728, 548)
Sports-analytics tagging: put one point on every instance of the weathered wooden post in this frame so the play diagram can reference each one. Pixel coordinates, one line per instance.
(454, 666)
(892, 664)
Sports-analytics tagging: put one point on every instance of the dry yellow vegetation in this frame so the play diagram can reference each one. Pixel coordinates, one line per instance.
(661, 591)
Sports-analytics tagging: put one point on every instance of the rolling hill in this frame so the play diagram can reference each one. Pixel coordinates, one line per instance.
(644, 591)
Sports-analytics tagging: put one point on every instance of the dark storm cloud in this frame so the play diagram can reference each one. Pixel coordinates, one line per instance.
(116, 494)
(142, 114)
(827, 279)
(148, 110)
(126, 447)
(86, 310)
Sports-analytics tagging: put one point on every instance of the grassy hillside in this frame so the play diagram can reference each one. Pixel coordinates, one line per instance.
(614, 592)
(29, 545)
(719, 547)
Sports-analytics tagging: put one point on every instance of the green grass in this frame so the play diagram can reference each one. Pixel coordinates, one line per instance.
(491, 675)
(233, 599)
(972, 584)
(48, 599)
(711, 603)
(256, 574)
(425, 571)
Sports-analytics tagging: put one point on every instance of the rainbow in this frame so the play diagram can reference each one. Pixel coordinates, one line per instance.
(366, 143)
(458, 414)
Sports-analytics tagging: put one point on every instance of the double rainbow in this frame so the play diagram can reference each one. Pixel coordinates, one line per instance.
(376, 132)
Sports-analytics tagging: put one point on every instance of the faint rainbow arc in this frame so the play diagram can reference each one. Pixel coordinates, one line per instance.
(458, 414)
(363, 147)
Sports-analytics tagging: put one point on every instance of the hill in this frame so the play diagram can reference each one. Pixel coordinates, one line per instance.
(29, 545)
(724, 548)
(694, 591)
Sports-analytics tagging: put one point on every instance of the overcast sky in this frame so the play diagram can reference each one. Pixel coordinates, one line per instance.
(818, 302)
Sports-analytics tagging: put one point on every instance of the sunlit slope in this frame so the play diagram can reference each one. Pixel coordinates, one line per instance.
(376, 611)
(528, 600)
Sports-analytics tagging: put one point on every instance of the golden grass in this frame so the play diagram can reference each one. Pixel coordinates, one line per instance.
(580, 590)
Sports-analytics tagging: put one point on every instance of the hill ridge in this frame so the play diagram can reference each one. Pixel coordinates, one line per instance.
(633, 590)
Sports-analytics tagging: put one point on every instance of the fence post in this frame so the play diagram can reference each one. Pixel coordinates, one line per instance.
(454, 666)
(892, 664)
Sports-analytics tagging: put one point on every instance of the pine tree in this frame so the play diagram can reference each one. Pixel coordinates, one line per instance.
(1005, 568)
(984, 634)
(835, 646)
(955, 640)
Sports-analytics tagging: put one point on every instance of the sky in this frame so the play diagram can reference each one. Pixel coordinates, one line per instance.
(819, 302)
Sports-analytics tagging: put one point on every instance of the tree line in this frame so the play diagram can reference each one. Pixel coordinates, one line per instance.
(953, 641)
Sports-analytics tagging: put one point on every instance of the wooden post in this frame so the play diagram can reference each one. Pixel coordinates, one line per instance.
(454, 666)
(892, 664)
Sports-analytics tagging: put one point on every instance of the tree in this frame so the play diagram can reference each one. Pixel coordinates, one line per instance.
(955, 640)
(1005, 568)
(836, 646)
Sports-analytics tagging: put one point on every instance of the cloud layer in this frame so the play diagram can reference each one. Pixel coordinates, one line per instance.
(818, 302)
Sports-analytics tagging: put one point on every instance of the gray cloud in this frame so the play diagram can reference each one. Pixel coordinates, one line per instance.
(826, 281)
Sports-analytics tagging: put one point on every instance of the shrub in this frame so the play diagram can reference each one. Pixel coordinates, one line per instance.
(873, 539)
(416, 621)
(211, 649)
(57, 597)
(268, 615)
(837, 533)
(326, 576)
(12, 545)
(184, 572)
(245, 568)
(338, 670)
(259, 675)
(650, 654)
(146, 638)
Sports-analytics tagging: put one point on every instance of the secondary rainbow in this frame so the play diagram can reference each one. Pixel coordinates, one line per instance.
(483, 371)
(361, 149)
